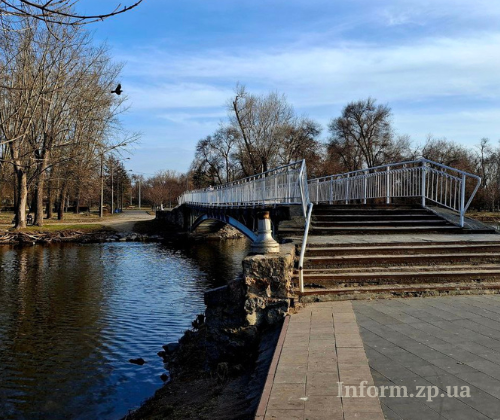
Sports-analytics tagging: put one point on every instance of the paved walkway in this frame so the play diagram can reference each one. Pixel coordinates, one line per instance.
(437, 343)
(321, 349)
(446, 348)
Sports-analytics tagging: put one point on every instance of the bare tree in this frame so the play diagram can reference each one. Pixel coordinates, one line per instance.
(362, 135)
(56, 11)
(260, 121)
(55, 108)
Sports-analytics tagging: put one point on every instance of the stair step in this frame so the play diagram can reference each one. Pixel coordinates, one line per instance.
(399, 244)
(369, 292)
(396, 269)
(387, 230)
(401, 277)
(380, 223)
(384, 216)
(406, 249)
(380, 212)
(385, 259)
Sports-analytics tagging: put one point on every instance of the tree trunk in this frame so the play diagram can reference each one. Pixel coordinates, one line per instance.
(39, 201)
(39, 189)
(50, 201)
(62, 202)
(22, 198)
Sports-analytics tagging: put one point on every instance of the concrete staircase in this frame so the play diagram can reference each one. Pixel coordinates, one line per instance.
(377, 220)
(409, 252)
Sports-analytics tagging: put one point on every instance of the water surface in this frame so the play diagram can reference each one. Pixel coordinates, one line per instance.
(71, 316)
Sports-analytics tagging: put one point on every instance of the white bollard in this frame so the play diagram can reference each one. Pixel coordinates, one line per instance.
(265, 243)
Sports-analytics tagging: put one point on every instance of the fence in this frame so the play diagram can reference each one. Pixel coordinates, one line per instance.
(284, 185)
(422, 178)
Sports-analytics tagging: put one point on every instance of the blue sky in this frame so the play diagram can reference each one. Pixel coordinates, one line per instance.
(435, 63)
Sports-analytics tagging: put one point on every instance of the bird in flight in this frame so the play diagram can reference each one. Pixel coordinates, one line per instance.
(118, 89)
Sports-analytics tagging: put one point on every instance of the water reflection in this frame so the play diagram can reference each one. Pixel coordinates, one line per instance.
(72, 316)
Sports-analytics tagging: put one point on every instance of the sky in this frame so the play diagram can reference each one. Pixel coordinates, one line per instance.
(436, 64)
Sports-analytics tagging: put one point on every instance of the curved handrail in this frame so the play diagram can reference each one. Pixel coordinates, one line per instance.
(423, 178)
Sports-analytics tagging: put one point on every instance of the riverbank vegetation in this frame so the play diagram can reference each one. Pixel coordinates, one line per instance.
(58, 118)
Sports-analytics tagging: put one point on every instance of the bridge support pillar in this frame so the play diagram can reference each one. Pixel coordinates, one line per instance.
(265, 243)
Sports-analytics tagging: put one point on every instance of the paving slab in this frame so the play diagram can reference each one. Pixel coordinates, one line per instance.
(448, 346)
(320, 352)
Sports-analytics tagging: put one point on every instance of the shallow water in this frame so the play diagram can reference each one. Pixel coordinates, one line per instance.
(71, 316)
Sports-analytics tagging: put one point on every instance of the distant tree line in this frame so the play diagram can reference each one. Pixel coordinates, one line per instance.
(263, 132)
(58, 118)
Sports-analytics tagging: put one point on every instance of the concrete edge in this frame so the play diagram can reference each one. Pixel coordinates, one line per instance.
(266, 391)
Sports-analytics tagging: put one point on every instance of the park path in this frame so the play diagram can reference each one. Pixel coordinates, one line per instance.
(320, 348)
(124, 222)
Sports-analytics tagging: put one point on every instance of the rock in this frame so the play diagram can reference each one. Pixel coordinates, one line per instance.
(170, 348)
(164, 377)
(162, 354)
(139, 361)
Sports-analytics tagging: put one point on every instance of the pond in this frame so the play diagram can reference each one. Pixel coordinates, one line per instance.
(71, 317)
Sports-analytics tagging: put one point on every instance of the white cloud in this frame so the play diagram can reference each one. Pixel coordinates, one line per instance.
(323, 75)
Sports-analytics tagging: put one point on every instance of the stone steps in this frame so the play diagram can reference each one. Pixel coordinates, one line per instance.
(334, 270)
(385, 291)
(404, 248)
(400, 260)
(386, 276)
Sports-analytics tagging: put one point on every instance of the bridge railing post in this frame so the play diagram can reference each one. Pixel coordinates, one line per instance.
(462, 201)
(365, 185)
(347, 189)
(330, 201)
(423, 182)
(388, 185)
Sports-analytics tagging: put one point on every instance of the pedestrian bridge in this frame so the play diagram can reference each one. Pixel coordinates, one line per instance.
(427, 181)
(250, 204)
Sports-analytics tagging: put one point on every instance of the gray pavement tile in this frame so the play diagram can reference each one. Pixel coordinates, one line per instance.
(482, 381)
(389, 414)
(465, 413)
(414, 410)
(485, 366)
(417, 334)
(454, 352)
(432, 330)
(482, 351)
(393, 372)
(482, 329)
(483, 402)
(447, 379)
(427, 370)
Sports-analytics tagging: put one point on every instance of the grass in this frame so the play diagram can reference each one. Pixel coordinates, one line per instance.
(79, 222)
(95, 227)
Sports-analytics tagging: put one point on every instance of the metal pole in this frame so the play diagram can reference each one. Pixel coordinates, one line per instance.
(347, 189)
(424, 176)
(387, 186)
(462, 201)
(365, 186)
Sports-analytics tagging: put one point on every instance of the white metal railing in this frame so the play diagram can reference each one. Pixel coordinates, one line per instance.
(422, 178)
(284, 185)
